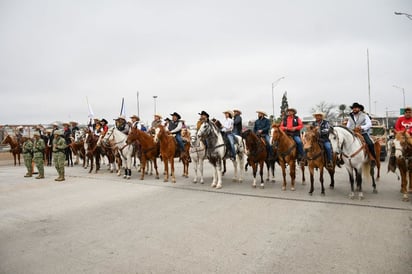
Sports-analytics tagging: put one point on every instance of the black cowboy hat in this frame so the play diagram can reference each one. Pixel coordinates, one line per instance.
(104, 120)
(356, 105)
(176, 114)
(204, 113)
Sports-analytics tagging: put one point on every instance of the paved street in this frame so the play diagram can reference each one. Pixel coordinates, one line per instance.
(101, 223)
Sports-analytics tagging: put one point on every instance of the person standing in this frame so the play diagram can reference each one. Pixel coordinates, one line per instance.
(38, 154)
(28, 156)
(59, 146)
(292, 125)
(323, 127)
(360, 120)
(404, 123)
(237, 122)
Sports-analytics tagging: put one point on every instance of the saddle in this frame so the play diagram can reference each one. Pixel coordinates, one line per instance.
(365, 146)
(226, 141)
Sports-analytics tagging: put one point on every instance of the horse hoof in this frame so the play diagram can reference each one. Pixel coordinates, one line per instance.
(405, 198)
(283, 188)
(128, 178)
(322, 194)
(202, 182)
(352, 196)
(292, 189)
(331, 187)
(262, 186)
(310, 193)
(254, 186)
(375, 191)
(218, 186)
(213, 185)
(194, 181)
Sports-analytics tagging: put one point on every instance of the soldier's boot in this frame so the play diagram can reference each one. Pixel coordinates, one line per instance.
(28, 174)
(40, 176)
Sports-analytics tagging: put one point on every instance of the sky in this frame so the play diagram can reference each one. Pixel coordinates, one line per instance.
(59, 57)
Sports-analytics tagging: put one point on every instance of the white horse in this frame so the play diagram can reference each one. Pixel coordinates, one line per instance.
(118, 138)
(198, 155)
(216, 151)
(354, 155)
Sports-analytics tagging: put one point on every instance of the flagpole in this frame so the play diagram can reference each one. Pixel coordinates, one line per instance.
(138, 108)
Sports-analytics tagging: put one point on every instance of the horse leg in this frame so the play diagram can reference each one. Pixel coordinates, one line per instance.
(15, 159)
(166, 169)
(372, 173)
(236, 175)
(312, 178)
(292, 175)
(331, 172)
(261, 167)
(195, 168)
(254, 171)
(359, 185)
(352, 181)
(201, 162)
(302, 168)
(321, 169)
(172, 169)
(219, 175)
(283, 165)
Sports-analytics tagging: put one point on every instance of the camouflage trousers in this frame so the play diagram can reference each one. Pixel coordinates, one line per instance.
(59, 159)
(28, 162)
(40, 164)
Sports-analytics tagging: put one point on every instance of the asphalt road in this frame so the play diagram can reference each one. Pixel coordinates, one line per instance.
(101, 223)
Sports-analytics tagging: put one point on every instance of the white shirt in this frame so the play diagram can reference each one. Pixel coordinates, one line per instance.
(227, 125)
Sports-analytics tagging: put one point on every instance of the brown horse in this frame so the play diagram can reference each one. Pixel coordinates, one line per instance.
(316, 157)
(285, 148)
(257, 155)
(401, 158)
(93, 151)
(15, 147)
(149, 149)
(169, 150)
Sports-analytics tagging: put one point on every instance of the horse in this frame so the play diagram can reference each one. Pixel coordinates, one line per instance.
(257, 155)
(316, 157)
(93, 151)
(355, 157)
(401, 158)
(216, 151)
(286, 153)
(118, 139)
(198, 155)
(15, 148)
(169, 150)
(77, 146)
(149, 149)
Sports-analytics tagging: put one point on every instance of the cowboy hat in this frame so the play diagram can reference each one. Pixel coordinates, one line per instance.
(176, 114)
(204, 113)
(121, 117)
(158, 115)
(261, 111)
(292, 109)
(356, 105)
(58, 132)
(236, 110)
(105, 121)
(135, 117)
(228, 111)
(316, 113)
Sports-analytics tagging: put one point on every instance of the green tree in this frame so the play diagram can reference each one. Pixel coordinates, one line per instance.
(284, 106)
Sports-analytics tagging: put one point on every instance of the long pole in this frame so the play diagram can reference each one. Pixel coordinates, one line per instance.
(154, 100)
(369, 81)
(138, 106)
(273, 95)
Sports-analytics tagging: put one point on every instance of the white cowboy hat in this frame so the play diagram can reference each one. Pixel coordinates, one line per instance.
(261, 111)
(318, 113)
(236, 110)
(228, 111)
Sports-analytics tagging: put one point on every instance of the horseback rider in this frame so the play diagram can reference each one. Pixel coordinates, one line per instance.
(122, 125)
(262, 127)
(155, 123)
(237, 122)
(175, 127)
(135, 122)
(227, 128)
(323, 127)
(204, 116)
(359, 119)
(292, 125)
(404, 123)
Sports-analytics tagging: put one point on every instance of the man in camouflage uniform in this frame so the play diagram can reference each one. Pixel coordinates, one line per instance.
(28, 156)
(38, 157)
(59, 146)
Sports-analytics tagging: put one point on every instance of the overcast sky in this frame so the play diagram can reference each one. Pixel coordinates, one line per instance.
(199, 55)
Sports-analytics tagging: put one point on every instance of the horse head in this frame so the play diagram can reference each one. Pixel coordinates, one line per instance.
(310, 138)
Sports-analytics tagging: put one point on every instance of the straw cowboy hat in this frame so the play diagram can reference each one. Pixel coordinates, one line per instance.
(135, 117)
(228, 111)
(316, 113)
(236, 110)
(158, 115)
(261, 111)
(292, 109)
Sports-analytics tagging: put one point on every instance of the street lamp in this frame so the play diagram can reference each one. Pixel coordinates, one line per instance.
(154, 101)
(403, 91)
(273, 95)
(402, 13)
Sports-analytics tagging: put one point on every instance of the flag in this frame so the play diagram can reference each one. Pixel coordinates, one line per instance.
(91, 114)
(123, 109)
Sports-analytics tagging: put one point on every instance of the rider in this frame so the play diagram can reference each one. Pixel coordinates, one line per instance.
(262, 127)
(360, 120)
(404, 123)
(175, 127)
(323, 127)
(135, 122)
(292, 125)
(155, 123)
(204, 116)
(122, 125)
(237, 122)
(227, 128)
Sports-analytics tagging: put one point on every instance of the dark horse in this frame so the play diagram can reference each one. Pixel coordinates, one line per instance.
(316, 157)
(15, 148)
(149, 149)
(257, 155)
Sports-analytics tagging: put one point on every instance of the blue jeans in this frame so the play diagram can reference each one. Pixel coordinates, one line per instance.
(231, 138)
(179, 141)
(328, 148)
(299, 145)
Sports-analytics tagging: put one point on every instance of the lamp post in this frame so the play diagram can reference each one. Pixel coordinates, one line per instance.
(154, 101)
(403, 92)
(409, 16)
(273, 95)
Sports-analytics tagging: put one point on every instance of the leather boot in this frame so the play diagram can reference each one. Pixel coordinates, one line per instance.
(28, 174)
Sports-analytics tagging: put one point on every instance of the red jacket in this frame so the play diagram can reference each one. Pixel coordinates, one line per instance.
(403, 123)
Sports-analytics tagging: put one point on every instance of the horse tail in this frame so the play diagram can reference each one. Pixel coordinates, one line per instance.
(366, 174)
